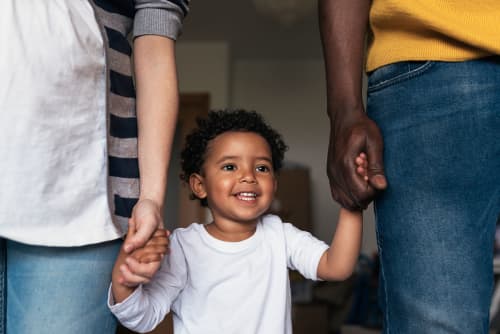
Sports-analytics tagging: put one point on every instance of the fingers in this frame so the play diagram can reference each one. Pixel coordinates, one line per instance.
(138, 239)
(129, 278)
(355, 174)
(352, 201)
(151, 253)
(374, 151)
(142, 234)
(348, 187)
(355, 167)
(362, 166)
(131, 228)
(150, 257)
(155, 248)
(143, 270)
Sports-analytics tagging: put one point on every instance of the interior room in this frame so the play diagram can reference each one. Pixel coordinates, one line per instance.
(266, 56)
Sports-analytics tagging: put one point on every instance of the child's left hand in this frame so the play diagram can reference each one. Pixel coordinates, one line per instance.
(362, 166)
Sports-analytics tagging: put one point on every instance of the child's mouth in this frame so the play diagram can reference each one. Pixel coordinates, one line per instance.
(246, 196)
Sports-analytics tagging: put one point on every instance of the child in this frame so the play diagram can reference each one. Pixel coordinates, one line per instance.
(231, 275)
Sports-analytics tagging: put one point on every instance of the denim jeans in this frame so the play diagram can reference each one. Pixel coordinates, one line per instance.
(49, 290)
(436, 221)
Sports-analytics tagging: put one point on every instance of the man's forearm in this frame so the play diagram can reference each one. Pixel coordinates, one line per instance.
(343, 25)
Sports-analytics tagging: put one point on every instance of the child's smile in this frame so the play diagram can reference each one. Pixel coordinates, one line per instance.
(237, 179)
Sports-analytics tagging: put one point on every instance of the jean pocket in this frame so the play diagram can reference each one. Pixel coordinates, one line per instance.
(391, 74)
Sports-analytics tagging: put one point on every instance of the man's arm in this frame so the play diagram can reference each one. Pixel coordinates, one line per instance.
(343, 25)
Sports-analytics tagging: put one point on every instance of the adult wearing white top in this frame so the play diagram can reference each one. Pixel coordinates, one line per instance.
(73, 148)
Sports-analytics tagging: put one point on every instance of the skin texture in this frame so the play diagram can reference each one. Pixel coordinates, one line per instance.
(343, 26)
(157, 108)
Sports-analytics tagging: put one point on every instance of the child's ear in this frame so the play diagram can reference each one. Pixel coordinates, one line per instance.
(197, 185)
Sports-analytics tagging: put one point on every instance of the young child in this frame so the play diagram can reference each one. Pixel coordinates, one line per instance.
(231, 275)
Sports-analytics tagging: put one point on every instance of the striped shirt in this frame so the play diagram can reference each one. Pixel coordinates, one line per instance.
(68, 112)
(116, 19)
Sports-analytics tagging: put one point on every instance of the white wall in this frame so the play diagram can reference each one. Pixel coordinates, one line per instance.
(204, 67)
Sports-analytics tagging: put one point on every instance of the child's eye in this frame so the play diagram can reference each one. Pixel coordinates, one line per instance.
(229, 167)
(263, 169)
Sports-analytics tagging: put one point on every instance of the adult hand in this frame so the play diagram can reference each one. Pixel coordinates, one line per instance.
(155, 249)
(133, 271)
(350, 135)
(146, 218)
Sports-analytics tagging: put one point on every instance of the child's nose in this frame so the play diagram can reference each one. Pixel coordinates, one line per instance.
(248, 176)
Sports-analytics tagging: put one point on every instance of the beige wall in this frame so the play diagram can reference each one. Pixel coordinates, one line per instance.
(204, 67)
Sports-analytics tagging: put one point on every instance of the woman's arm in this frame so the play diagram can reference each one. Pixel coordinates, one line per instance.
(157, 108)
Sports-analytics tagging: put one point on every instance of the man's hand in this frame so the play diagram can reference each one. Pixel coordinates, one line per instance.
(146, 218)
(349, 137)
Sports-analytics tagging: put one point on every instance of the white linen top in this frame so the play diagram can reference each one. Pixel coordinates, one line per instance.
(53, 188)
(214, 287)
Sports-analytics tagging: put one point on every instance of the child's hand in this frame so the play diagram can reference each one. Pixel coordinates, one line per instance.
(362, 166)
(155, 248)
(140, 266)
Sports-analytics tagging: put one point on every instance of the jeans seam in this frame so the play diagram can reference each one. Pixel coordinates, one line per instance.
(401, 77)
(381, 267)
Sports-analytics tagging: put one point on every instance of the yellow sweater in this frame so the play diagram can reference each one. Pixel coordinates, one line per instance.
(447, 30)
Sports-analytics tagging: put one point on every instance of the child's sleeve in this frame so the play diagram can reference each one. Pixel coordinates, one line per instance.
(144, 309)
(303, 251)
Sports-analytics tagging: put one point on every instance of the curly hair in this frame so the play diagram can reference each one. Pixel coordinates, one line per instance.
(218, 122)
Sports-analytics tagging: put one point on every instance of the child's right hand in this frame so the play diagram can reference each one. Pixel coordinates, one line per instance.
(155, 249)
(141, 265)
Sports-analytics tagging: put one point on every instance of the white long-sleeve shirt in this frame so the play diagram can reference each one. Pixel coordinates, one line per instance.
(213, 286)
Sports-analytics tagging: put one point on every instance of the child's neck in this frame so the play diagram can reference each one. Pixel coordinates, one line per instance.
(231, 232)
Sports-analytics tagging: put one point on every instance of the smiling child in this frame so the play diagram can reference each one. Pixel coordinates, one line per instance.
(231, 275)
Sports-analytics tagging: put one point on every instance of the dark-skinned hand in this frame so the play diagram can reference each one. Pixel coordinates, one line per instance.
(351, 135)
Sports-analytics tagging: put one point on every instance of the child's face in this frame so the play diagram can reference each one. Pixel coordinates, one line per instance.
(237, 177)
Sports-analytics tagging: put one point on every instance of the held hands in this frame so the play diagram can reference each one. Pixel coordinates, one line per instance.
(146, 218)
(349, 137)
(141, 265)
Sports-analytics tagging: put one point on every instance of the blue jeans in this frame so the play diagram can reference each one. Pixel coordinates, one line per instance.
(56, 289)
(436, 221)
